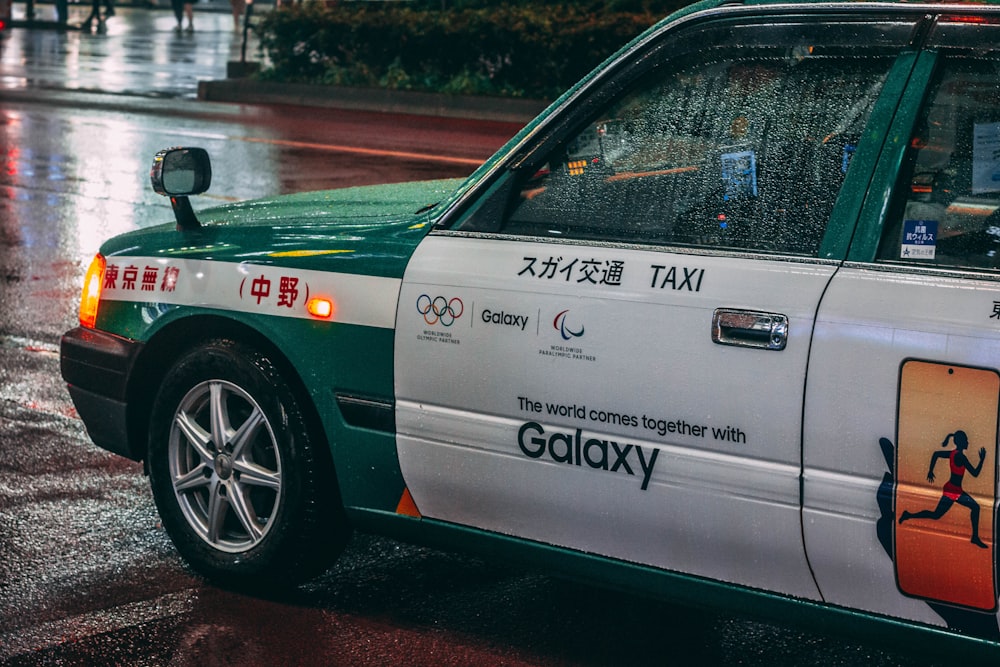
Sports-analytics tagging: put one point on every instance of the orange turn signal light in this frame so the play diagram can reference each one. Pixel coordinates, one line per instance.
(320, 307)
(90, 299)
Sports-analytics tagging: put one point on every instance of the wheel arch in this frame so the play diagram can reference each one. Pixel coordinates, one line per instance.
(312, 525)
(177, 338)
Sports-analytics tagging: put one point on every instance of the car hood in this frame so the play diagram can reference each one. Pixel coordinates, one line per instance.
(369, 229)
(366, 204)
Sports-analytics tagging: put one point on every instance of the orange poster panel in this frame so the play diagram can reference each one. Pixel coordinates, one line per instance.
(946, 480)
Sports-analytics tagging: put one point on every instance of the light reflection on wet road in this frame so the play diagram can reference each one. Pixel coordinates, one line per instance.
(87, 574)
(139, 55)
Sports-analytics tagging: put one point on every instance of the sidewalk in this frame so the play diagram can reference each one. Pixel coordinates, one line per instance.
(141, 55)
(45, 11)
(249, 91)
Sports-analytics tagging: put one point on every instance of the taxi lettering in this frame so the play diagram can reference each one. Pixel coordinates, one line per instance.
(506, 319)
(571, 448)
(129, 278)
(677, 278)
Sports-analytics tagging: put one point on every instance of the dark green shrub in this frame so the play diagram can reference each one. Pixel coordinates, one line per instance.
(514, 49)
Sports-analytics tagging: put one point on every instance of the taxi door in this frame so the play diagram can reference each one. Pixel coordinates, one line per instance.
(904, 381)
(607, 350)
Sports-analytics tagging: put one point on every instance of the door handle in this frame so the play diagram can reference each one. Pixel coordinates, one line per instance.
(749, 328)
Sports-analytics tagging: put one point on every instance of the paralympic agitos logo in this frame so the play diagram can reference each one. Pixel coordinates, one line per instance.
(440, 310)
(567, 332)
(573, 449)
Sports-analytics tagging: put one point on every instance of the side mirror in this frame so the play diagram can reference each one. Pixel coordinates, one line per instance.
(178, 173)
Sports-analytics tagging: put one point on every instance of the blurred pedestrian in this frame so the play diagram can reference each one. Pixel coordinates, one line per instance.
(239, 6)
(182, 9)
(95, 13)
(62, 12)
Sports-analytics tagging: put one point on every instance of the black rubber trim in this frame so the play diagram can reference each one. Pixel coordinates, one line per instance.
(106, 421)
(370, 413)
(97, 361)
(96, 366)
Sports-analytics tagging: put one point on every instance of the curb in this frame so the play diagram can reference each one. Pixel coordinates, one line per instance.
(248, 91)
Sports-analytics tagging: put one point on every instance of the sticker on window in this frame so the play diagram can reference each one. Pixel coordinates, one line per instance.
(986, 158)
(946, 480)
(845, 157)
(919, 239)
(739, 175)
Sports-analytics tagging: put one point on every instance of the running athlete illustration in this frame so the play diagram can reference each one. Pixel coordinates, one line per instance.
(953, 492)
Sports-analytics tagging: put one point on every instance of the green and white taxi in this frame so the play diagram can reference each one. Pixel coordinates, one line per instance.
(723, 324)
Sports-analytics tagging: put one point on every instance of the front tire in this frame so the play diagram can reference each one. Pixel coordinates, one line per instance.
(240, 487)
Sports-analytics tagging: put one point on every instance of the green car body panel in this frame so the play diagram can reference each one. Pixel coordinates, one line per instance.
(371, 231)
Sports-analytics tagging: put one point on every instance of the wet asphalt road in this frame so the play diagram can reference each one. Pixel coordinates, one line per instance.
(87, 574)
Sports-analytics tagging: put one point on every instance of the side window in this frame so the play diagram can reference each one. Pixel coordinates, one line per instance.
(737, 147)
(946, 210)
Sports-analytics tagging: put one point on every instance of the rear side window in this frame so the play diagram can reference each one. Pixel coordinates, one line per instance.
(743, 142)
(946, 210)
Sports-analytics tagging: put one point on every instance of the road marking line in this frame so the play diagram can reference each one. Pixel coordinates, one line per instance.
(357, 150)
(27, 344)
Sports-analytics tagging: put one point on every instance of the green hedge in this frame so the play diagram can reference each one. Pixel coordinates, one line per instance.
(534, 51)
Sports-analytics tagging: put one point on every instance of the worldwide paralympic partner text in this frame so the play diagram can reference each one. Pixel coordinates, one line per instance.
(571, 448)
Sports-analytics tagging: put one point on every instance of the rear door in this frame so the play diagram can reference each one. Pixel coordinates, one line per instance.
(902, 398)
(607, 351)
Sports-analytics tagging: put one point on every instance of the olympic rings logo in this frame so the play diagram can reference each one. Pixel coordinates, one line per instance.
(440, 309)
